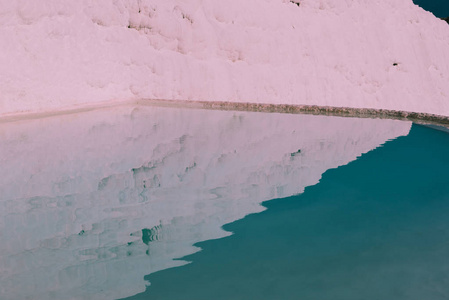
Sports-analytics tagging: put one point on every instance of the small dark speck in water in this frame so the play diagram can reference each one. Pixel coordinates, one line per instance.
(81, 232)
(295, 153)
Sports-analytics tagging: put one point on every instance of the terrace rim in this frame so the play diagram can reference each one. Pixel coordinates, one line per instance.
(420, 118)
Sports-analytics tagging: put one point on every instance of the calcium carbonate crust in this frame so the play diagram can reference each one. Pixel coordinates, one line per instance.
(386, 57)
(421, 118)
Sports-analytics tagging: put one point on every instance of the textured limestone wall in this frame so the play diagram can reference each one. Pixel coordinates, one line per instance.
(366, 54)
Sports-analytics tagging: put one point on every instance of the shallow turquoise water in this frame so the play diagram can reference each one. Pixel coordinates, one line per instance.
(115, 202)
(377, 228)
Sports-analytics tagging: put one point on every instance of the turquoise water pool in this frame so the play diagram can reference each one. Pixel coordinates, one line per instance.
(377, 228)
(172, 203)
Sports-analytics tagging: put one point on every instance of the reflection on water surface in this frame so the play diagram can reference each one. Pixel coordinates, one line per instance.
(376, 228)
(91, 203)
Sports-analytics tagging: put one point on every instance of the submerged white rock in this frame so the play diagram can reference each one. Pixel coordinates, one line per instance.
(386, 54)
(91, 203)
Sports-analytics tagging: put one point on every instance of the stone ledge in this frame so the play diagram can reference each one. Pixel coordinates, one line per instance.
(423, 118)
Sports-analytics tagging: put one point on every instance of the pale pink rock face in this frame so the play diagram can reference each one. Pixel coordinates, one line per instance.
(386, 54)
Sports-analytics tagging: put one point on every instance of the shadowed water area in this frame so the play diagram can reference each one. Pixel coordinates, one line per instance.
(116, 202)
(439, 8)
(377, 228)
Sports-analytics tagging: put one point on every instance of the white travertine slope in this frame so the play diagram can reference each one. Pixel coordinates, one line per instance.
(387, 54)
(91, 203)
